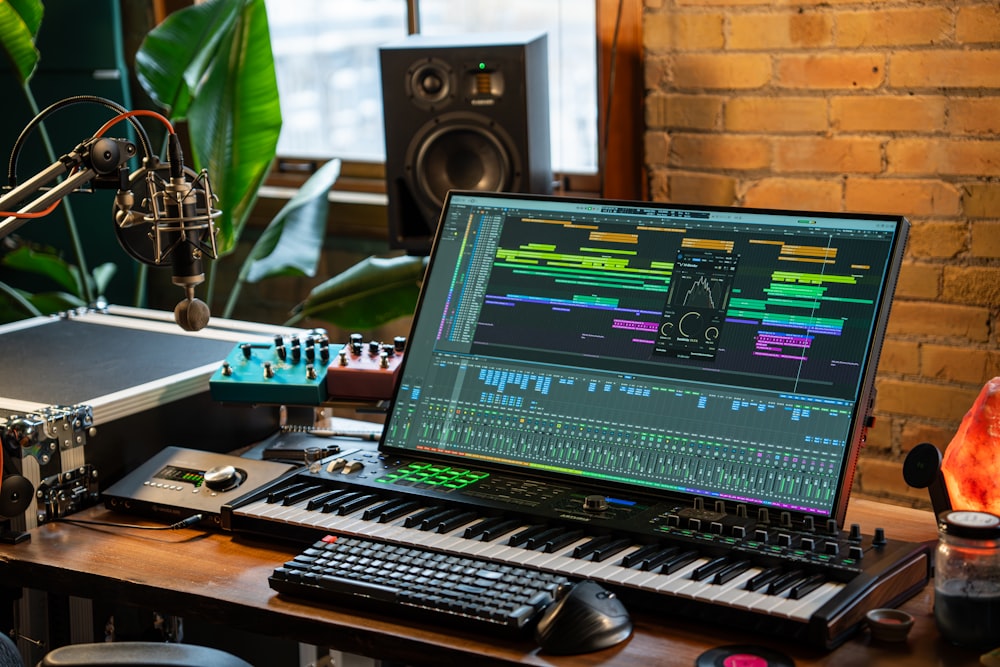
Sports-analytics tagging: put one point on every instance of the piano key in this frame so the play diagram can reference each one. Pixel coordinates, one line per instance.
(373, 513)
(785, 582)
(460, 519)
(606, 551)
(810, 603)
(806, 586)
(522, 536)
(678, 561)
(416, 519)
(635, 558)
(731, 571)
(710, 568)
(764, 578)
(398, 511)
(358, 503)
(561, 540)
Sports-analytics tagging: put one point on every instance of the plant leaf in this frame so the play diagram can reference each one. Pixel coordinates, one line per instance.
(374, 291)
(293, 241)
(25, 258)
(19, 22)
(102, 276)
(235, 119)
(173, 57)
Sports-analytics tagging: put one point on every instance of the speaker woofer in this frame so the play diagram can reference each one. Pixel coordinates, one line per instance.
(461, 152)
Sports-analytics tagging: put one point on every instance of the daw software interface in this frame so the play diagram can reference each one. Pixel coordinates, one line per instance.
(721, 352)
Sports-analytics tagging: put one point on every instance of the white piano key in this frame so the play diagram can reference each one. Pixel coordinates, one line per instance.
(807, 606)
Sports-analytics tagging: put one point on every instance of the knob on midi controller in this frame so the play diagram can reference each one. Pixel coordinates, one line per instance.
(595, 503)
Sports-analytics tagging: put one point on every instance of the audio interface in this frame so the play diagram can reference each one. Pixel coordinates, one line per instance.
(178, 483)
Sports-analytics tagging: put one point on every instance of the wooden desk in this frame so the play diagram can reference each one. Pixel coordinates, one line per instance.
(192, 574)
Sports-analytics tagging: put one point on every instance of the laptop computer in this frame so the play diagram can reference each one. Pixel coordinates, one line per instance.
(693, 352)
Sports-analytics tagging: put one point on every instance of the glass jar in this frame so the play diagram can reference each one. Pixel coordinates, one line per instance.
(967, 578)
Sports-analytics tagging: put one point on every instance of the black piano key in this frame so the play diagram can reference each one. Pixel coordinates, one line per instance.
(731, 571)
(806, 586)
(478, 528)
(606, 551)
(319, 501)
(785, 581)
(355, 504)
(334, 503)
(501, 529)
(654, 561)
(762, 579)
(588, 547)
(522, 536)
(538, 540)
(678, 561)
(565, 538)
(456, 521)
(278, 495)
(372, 513)
(394, 513)
(637, 556)
(301, 494)
(415, 520)
(709, 568)
(432, 522)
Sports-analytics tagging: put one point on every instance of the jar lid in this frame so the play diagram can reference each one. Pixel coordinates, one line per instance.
(966, 523)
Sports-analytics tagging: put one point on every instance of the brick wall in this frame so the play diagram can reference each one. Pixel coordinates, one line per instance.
(853, 105)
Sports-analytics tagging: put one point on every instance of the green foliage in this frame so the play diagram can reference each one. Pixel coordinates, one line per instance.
(370, 293)
(19, 23)
(211, 64)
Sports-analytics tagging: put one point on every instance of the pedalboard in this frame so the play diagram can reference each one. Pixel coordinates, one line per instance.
(306, 372)
(178, 483)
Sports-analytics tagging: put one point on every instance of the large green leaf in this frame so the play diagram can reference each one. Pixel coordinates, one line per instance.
(214, 66)
(172, 60)
(19, 22)
(50, 265)
(374, 291)
(293, 241)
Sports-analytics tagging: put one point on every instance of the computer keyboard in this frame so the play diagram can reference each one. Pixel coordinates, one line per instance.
(419, 583)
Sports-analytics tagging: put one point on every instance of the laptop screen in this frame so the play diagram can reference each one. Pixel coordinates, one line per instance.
(722, 353)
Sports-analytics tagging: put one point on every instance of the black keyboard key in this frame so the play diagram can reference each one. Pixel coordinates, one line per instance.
(784, 582)
(708, 569)
(606, 551)
(415, 519)
(731, 571)
(423, 583)
(806, 586)
(679, 561)
(522, 536)
(455, 521)
(763, 578)
(398, 511)
(637, 556)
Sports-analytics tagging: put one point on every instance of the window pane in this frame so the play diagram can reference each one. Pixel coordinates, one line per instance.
(326, 55)
(326, 60)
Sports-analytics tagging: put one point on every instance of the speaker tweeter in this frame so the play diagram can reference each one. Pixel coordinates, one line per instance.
(462, 113)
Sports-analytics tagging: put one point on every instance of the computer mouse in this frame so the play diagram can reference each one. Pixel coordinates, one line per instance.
(584, 617)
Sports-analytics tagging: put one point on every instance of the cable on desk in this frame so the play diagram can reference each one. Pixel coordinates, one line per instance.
(184, 523)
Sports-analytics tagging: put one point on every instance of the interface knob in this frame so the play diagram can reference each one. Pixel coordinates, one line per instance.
(222, 478)
(595, 503)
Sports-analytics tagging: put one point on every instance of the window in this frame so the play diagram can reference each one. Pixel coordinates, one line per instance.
(326, 54)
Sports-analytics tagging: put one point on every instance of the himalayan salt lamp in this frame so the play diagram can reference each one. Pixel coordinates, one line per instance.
(971, 464)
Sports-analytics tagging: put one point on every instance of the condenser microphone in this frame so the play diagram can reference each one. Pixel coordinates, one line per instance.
(181, 213)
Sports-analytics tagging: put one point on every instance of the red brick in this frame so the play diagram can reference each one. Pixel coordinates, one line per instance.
(888, 113)
(978, 23)
(804, 194)
(938, 239)
(899, 357)
(688, 112)
(943, 156)
(692, 188)
(721, 71)
(915, 433)
(836, 155)
(973, 285)
(910, 197)
(981, 200)
(775, 114)
(959, 364)
(973, 115)
(882, 478)
(939, 320)
(720, 151)
(779, 30)
(670, 31)
(933, 401)
(893, 27)
(944, 69)
(830, 72)
(985, 239)
(657, 147)
(919, 281)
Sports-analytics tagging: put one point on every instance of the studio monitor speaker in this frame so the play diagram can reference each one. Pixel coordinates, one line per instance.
(461, 113)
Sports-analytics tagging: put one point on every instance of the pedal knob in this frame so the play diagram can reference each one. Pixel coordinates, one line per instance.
(227, 370)
(268, 370)
(399, 342)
